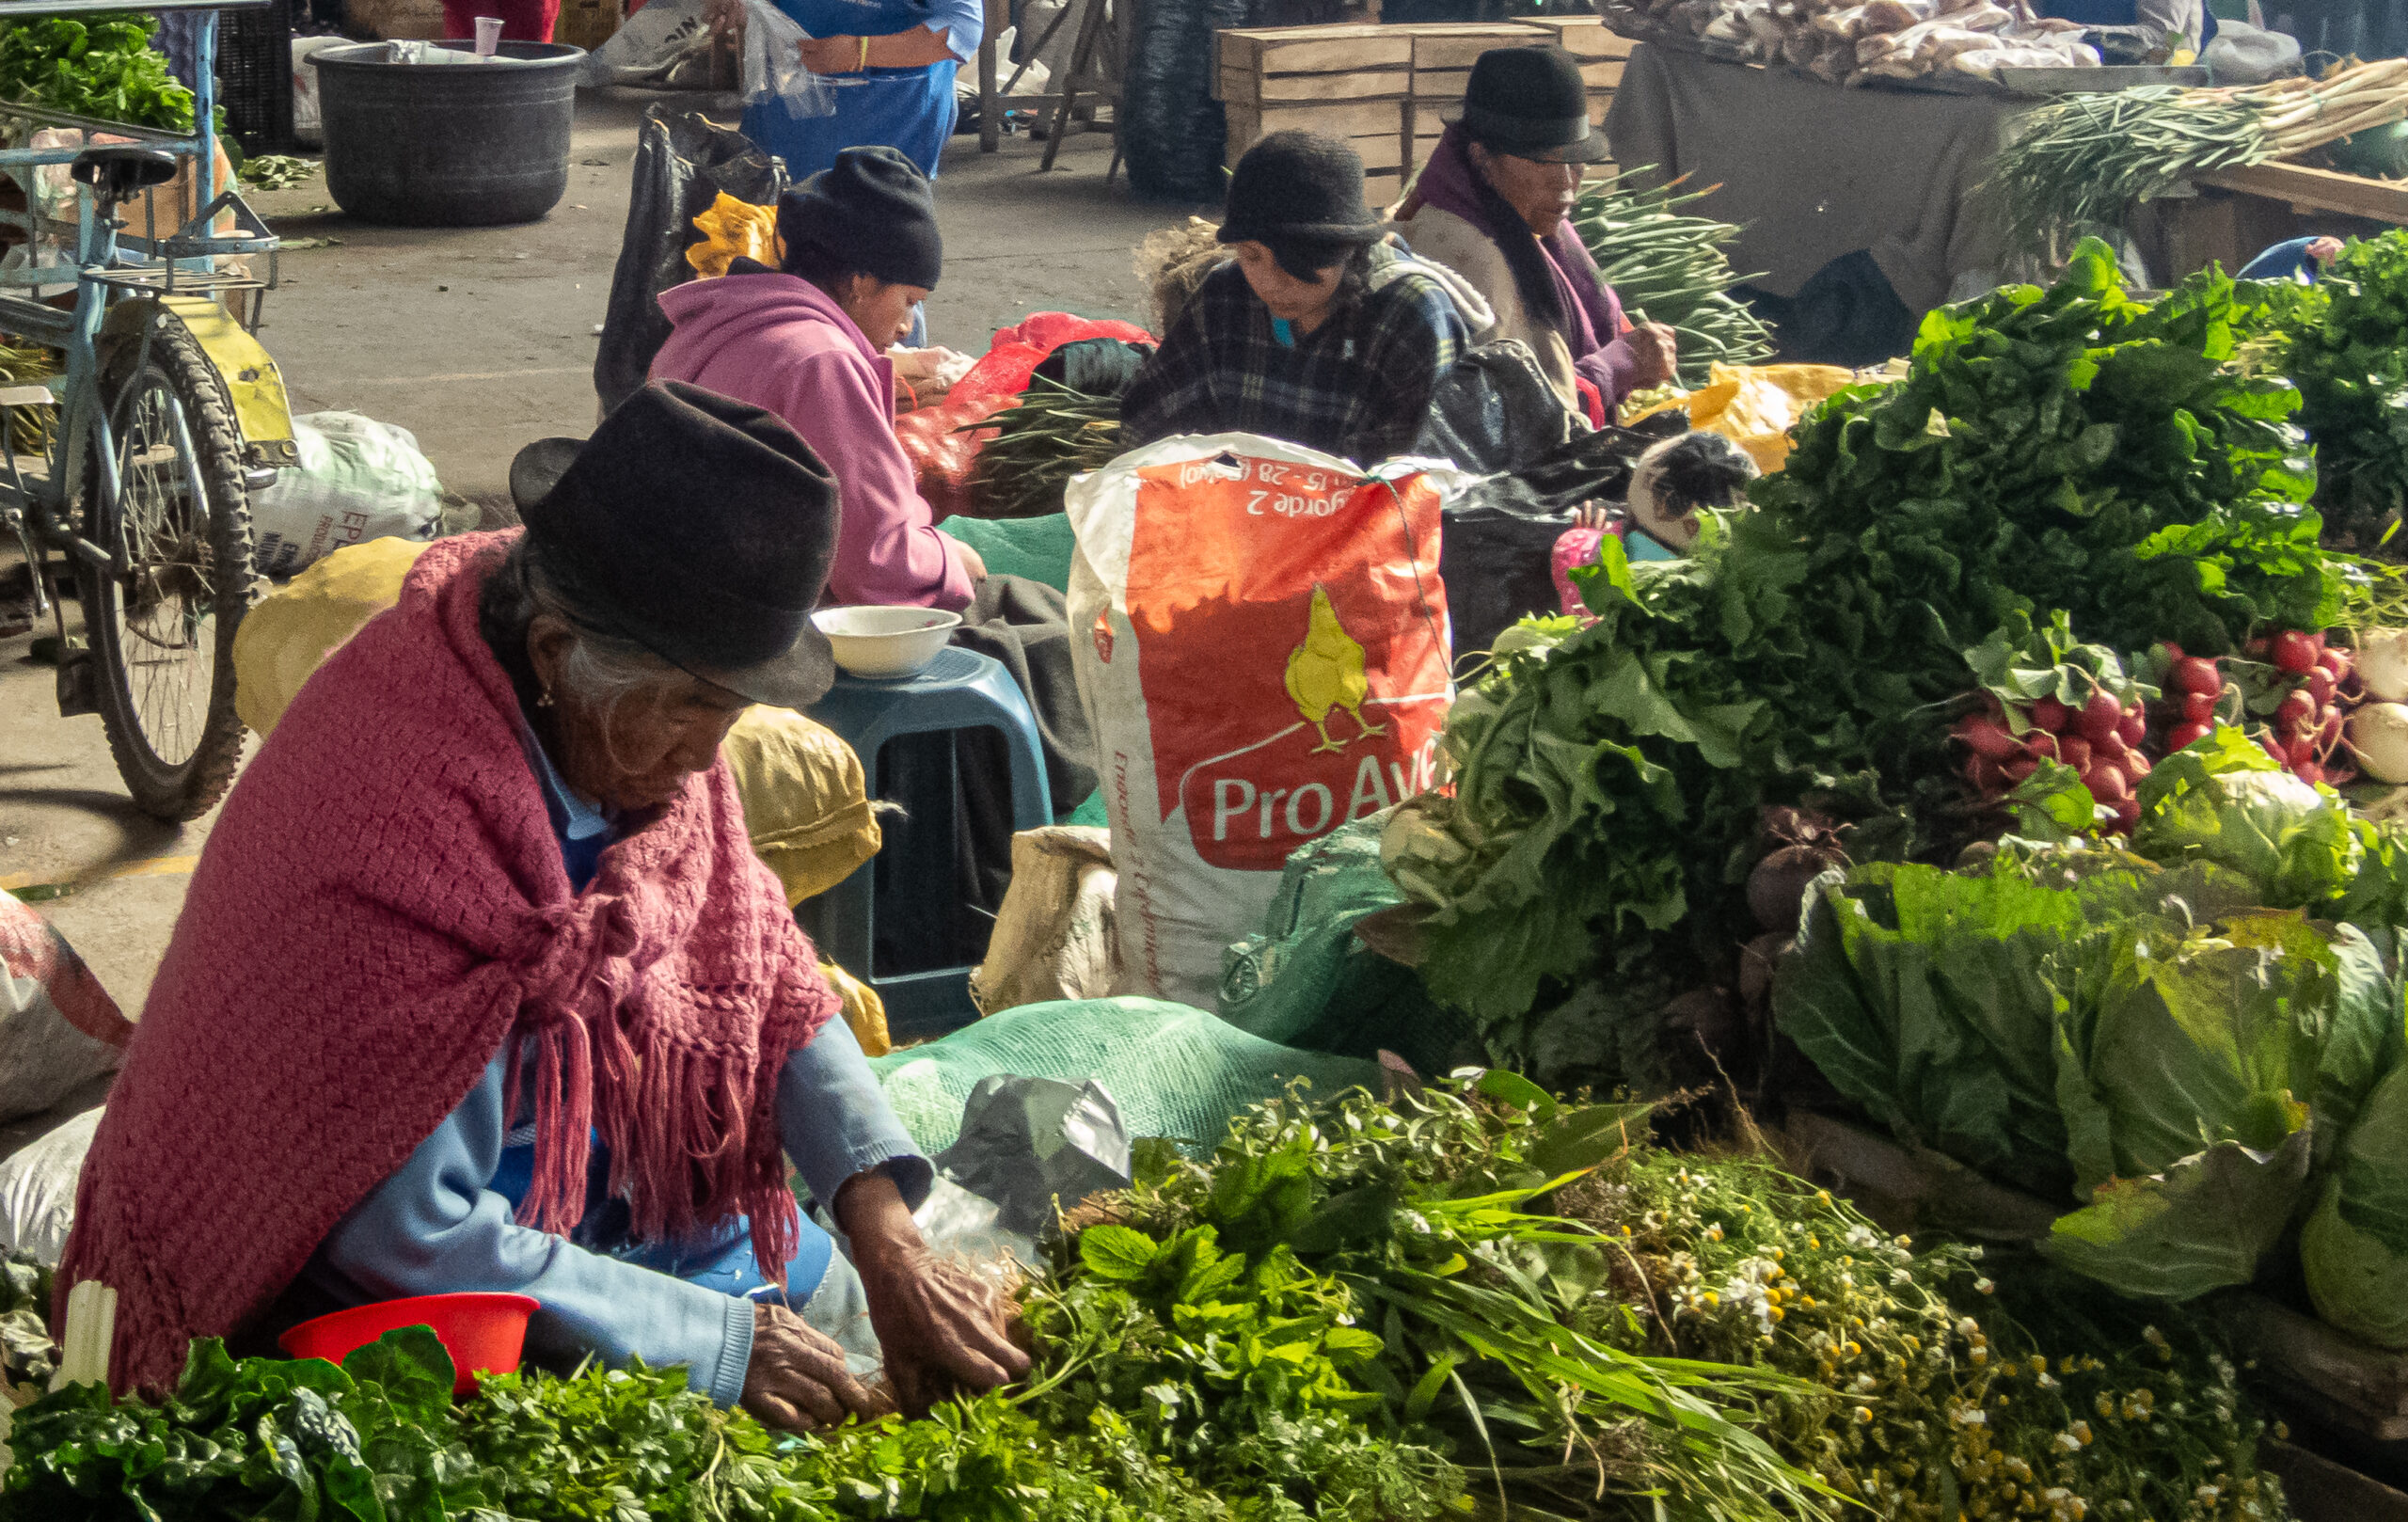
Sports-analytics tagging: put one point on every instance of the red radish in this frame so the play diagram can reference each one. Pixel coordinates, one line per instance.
(2274, 747)
(2328, 733)
(2335, 661)
(2300, 751)
(2019, 769)
(2051, 715)
(2170, 651)
(2100, 716)
(2136, 766)
(1988, 738)
(2257, 647)
(2184, 734)
(2107, 784)
(2041, 744)
(2193, 674)
(2295, 652)
(2318, 684)
(1984, 775)
(2309, 772)
(2198, 707)
(2127, 813)
(2109, 749)
(2074, 752)
(2296, 710)
(2336, 775)
(2134, 729)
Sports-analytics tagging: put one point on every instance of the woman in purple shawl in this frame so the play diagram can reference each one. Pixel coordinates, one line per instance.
(1490, 205)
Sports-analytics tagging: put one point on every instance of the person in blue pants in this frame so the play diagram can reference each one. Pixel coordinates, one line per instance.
(892, 64)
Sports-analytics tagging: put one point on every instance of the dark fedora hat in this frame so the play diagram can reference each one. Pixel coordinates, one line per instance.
(701, 528)
(1532, 104)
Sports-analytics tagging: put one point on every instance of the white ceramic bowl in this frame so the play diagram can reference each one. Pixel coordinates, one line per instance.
(884, 643)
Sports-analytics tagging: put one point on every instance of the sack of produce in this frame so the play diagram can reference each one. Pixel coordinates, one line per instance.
(293, 630)
(59, 1027)
(1053, 937)
(1262, 650)
(1173, 1071)
(358, 480)
(37, 1188)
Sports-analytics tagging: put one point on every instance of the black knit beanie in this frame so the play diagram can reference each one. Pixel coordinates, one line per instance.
(872, 211)
(1298, 186)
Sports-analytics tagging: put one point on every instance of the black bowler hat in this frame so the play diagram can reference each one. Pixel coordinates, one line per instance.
(701, 528)
(1532, 104)
(1298, 184)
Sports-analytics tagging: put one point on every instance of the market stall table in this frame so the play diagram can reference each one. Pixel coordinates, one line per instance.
(1813, 172)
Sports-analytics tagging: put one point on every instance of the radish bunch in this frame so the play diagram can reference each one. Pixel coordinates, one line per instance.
(2309, 718)
(2102, 739)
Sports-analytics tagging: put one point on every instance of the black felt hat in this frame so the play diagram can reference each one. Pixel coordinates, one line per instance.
(1298, 184)
(1532, 104)
(701, 528)
(872, 209)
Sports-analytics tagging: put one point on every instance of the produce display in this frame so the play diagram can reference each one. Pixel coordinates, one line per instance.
(2070, 452)
(1468, 1297)
(2347, 353)
(1669, 267)
(1051, 433)
(2078, 165)
(1845, 42)
(99, 65)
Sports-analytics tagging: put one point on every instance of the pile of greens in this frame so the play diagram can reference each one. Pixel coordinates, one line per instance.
(2349, 355)
(2071, 450)
(2186, 1042)
(1669, 267)
(99, 66)
(1051, 433)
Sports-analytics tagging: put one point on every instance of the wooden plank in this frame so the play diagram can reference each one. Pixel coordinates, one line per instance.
(2321, 189)
(1601, 75)
(1382, 153)
(1245, 130)
(1904, 1190)
(2361, 1388)
(1339, 119)
(2319, 1490)
(1383, 190)
(1463, 52)
(1362, 84)
(1379, 151)
(1585, 38)
(1440, 83)
(1297, 50)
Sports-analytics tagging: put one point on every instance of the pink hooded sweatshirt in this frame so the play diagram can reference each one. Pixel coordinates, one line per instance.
(781, 343)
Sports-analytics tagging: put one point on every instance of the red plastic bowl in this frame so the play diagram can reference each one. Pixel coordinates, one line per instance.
(484, 1333)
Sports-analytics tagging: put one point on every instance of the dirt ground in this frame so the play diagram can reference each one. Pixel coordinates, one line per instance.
(479, 340)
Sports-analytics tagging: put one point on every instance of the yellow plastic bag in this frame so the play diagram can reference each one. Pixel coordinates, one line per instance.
(1755, 406)
(295, 627)
(806, 803)
(734, 230)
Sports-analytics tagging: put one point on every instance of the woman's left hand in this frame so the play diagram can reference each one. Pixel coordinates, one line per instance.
(935, 1322)
(838, 54)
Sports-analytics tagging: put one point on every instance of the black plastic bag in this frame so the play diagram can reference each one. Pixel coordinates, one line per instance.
(1029, 1144)
(1174, 130)
(1495, 412)
(683, 161)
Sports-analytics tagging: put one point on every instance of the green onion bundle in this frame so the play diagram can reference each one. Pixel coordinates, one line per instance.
(2078, 163)
(1669, 268)
(1052, 433)
(29, 428)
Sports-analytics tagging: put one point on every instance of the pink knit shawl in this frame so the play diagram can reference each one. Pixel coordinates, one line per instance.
(381, 904)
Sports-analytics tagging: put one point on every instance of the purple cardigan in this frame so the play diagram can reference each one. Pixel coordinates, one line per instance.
(1596, 327)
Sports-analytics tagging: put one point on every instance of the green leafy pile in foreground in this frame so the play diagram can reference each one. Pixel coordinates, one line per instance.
(2349, 356)
(2073, 449)
(1470, 1297)
(100, 66)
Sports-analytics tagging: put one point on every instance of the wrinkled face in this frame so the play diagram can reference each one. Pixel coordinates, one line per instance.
(1542, 192)
(881, 311)
(1288, 297)
(631, 748)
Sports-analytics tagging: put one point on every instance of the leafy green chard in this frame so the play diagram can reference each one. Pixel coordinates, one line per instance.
(96, 66)
(2349, 355)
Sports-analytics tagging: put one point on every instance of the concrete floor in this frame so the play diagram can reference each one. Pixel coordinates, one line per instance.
(479, 340)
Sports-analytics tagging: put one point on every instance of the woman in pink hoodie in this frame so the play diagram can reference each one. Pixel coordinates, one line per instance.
(808, 341)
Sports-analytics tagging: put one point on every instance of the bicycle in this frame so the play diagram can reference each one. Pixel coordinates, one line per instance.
(168, 416)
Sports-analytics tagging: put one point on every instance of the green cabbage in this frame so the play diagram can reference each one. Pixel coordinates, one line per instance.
(2224, 801)
(2354, 1248)
(2204, 1224)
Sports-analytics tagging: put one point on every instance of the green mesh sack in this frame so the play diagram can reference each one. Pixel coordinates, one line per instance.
(1175, 1071)
(1306, 982)
(1037, 548)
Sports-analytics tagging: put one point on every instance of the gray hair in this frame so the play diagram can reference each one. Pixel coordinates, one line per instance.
(602, 668)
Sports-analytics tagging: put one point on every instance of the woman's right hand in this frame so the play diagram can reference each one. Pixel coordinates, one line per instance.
(797, 1380)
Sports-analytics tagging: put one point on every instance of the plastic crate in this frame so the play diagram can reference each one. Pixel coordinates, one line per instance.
(255, 76)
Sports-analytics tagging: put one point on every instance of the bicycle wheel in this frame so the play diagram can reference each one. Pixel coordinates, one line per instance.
(162, 632)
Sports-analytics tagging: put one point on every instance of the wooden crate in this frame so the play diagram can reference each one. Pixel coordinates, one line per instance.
(1382, 149)
(1459, 44)
(1443, 86)
(1383, 190)
(1241, 87)
(1601, 75)
(1316, 50)
(1586, 37)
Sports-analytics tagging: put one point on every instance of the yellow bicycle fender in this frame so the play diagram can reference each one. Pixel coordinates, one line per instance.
(263, 412)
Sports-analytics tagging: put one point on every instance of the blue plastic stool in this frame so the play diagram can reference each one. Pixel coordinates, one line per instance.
(960, 689)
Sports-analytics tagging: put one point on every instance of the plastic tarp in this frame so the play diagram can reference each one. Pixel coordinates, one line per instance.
(1174, 130)
(1174, 1070)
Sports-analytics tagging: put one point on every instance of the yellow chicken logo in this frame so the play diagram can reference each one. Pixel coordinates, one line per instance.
(1326, 671)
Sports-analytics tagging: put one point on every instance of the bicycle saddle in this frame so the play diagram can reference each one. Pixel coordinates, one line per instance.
(117, 171)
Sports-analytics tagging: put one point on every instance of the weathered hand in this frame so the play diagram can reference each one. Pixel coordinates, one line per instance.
(830, 54)
(1656, 350)
(937, 1323)
(797, 1378)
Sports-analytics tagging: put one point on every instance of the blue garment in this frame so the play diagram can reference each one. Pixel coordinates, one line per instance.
(443, 1222)
(2282, 262)
(909, 109)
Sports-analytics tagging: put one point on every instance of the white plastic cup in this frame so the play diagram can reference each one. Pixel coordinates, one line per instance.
(488, 34)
